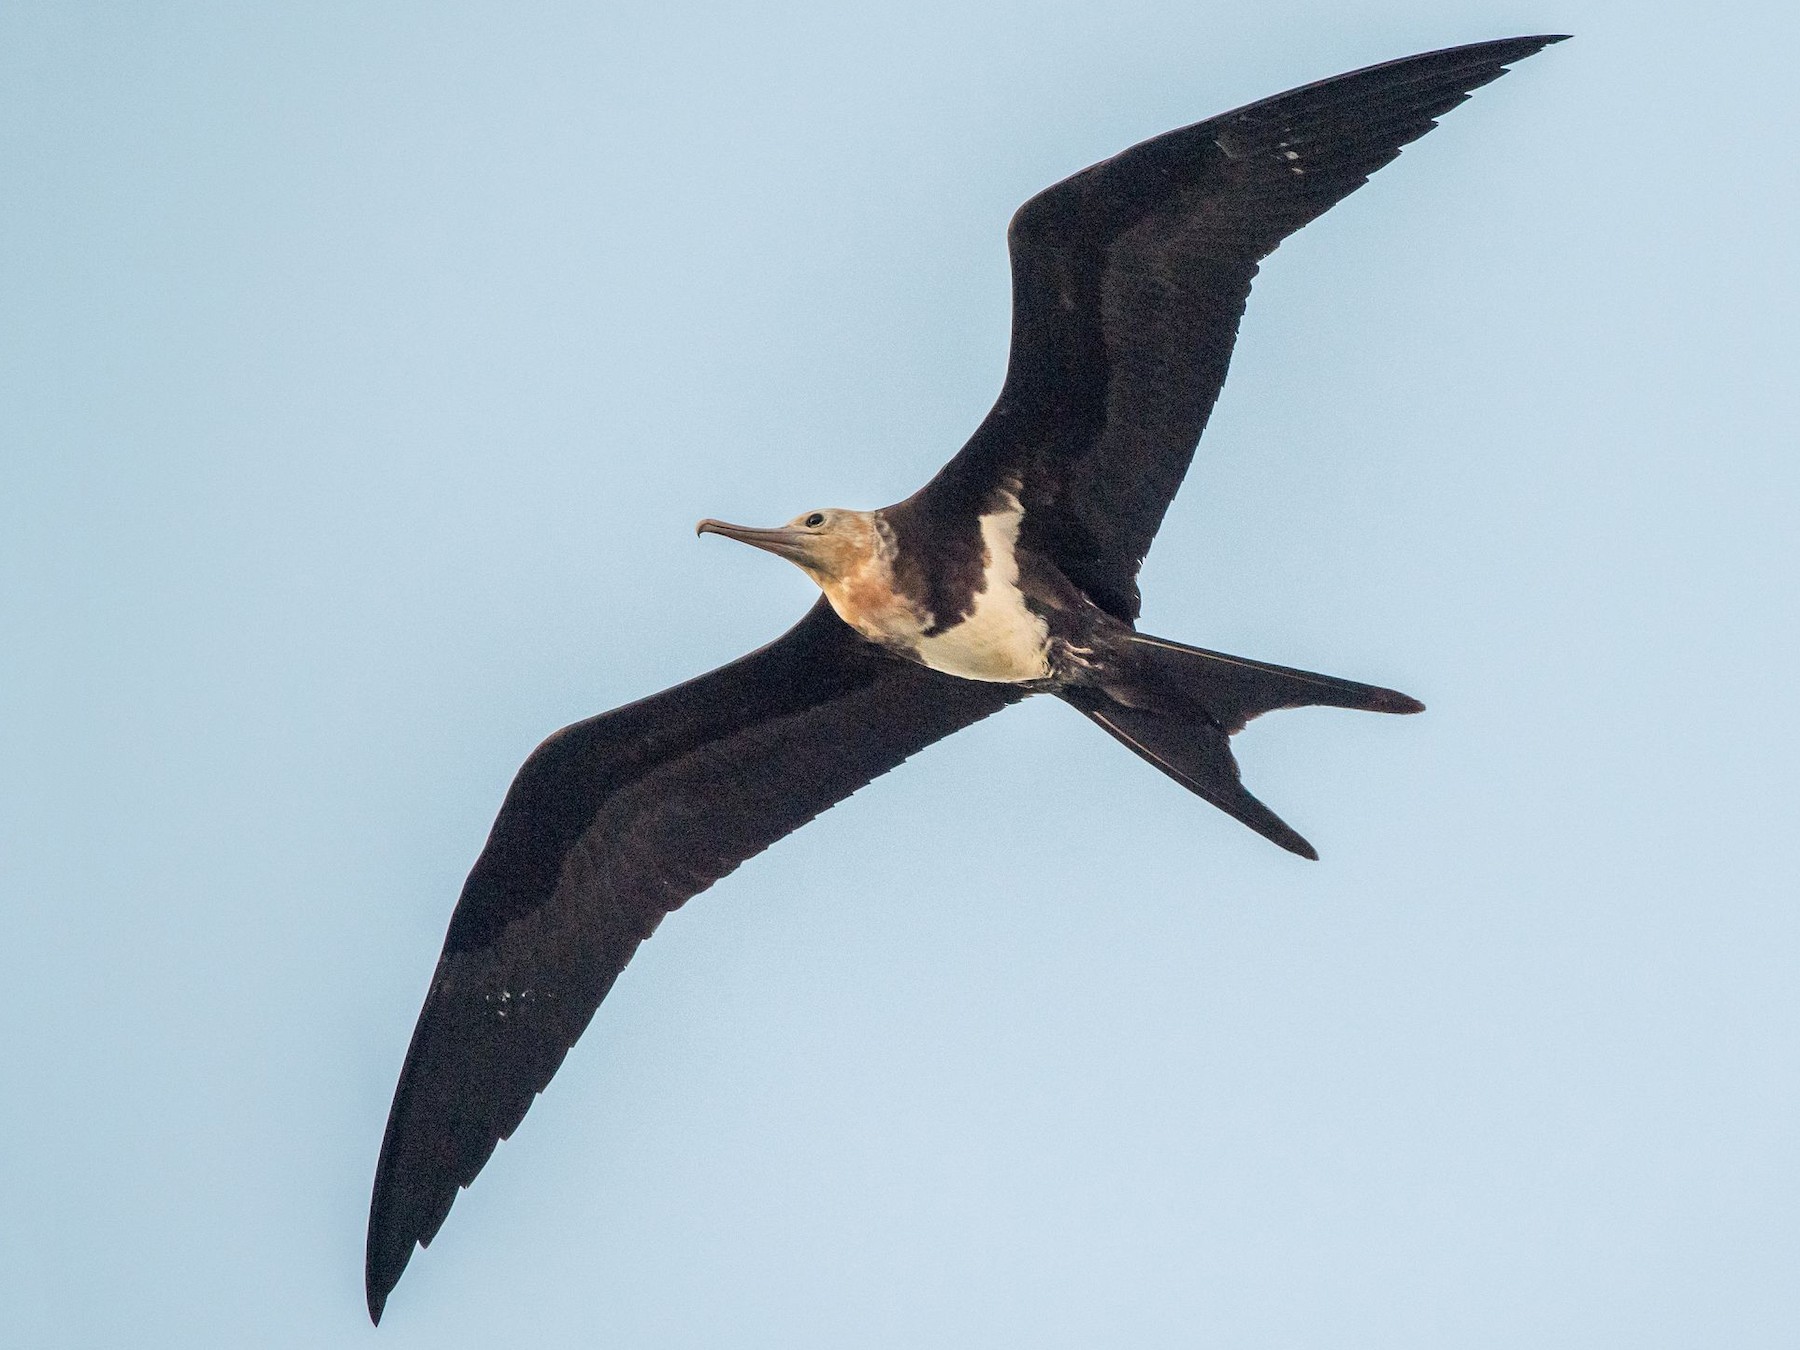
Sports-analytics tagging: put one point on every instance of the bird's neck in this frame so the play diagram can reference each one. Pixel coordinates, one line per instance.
(864, 590)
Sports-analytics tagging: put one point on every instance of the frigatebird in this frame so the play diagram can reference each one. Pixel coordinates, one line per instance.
(1013, 572)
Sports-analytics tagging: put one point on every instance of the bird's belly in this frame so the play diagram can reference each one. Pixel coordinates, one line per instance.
(1001, 640)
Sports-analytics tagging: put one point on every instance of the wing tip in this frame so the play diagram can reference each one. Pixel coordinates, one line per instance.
(381, 1273)
(1508, 49)
(377, 1297)
(1531, 46)
(1506, 52)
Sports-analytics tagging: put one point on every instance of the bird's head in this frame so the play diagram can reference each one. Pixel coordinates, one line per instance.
(830, 546)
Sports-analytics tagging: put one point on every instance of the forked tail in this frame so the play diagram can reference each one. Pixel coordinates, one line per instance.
(1178, 706)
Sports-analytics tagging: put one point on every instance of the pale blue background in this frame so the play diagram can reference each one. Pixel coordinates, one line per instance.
(364, 371)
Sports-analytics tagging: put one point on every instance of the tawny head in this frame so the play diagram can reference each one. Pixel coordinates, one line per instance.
(830, 546)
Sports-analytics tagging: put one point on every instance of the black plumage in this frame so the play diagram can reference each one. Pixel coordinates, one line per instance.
(611, 824)
(1129, 280)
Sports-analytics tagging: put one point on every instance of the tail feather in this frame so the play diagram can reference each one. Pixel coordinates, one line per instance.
(1179, 706)
(1233, 689)
(1195, 753)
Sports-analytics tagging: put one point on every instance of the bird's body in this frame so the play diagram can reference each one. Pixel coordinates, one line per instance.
(1001, 630)
(1013, 572)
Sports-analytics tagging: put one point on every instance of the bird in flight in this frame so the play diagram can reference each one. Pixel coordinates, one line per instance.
(1013, 572)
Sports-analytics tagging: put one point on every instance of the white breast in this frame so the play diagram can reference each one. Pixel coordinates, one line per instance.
(1001, 640)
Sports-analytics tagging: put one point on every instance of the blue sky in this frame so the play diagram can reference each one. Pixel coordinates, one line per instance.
(361, 378)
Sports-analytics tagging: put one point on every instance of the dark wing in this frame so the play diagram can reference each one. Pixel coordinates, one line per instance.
(1128, 282)
(612, 823)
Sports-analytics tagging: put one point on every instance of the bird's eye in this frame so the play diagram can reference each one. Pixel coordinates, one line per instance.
(816, 519)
